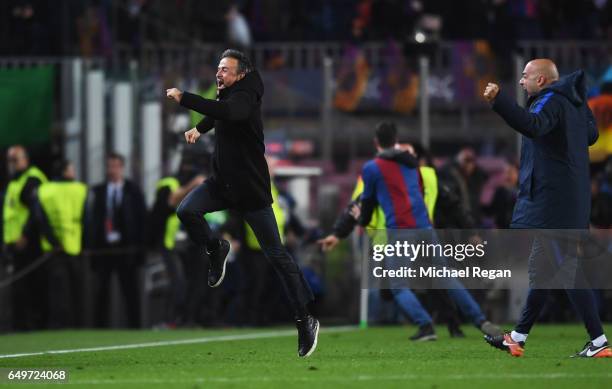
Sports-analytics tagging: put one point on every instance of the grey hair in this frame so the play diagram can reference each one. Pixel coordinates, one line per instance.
(244, 64)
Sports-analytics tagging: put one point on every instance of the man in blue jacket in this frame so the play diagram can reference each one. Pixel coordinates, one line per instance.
(554, 186)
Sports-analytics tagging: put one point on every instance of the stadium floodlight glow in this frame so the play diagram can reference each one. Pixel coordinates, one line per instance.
(419, 37)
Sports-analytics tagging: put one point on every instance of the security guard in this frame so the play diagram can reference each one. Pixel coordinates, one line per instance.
(62, 203)
(21, 238)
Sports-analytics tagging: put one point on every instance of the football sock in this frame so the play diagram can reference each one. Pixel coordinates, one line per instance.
(599, 341)
(518, 337)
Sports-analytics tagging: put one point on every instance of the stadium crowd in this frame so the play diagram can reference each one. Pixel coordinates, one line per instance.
(100, 24)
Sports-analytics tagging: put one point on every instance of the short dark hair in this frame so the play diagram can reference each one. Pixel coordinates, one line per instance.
(116, 155)
(386, 134)
(244, 63)
(422, 152)
(59, 167)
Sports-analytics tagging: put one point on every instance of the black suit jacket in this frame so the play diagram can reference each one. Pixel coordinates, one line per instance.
(132, 211)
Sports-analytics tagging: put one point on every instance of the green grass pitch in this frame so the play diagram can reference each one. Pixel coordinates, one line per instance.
(379, 357)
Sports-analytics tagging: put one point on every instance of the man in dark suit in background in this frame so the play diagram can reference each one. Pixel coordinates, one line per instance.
(117, 232)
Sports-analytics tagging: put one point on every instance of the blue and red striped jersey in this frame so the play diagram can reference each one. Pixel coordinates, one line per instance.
(397, 188)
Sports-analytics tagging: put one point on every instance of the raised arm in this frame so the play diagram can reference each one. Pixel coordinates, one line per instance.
(543, 117)
(237, 107)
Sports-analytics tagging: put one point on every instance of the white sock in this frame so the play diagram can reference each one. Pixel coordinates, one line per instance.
(599, 341)
(518, 337)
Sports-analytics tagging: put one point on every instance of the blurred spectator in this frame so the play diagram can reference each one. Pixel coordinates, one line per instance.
(388, 19)
(601, 194)
(118, 211)
(363, 17)
(39, 27)
(62, 203)
(602, 107)
(602, 111)
(88, 28)
(605, 18)
(238, 31)
(465, 178)
(127, 26)
(32, 27)
(504, 198)
(21, 237)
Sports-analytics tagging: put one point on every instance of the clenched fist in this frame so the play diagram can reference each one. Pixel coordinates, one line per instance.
(175, 94)
(192, 135)
(491, 91)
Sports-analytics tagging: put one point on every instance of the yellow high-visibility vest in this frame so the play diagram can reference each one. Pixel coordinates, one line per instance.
(430, 187)
(172, 223)
(64, 203)
(16, 214)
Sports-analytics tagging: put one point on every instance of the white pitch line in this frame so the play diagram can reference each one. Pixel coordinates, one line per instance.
(225, 338)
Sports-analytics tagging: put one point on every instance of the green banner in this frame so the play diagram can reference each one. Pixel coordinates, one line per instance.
(26, 105)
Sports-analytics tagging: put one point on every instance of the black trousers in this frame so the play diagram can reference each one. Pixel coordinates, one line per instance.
(28, 293)
(126, 267)
(258, 277)
(200, 305)
(208, 197)
(556, 263)
(65, 291)
(175, 306)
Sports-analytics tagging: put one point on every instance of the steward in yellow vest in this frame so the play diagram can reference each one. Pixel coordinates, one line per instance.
(21, 238)
(62, 205)
(20, 196)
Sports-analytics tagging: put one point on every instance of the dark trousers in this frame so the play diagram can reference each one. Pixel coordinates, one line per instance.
(583, 301)
(209, 198)
(257, 271)
(443, 307)
(126, 268)
(195, 288)
(65, 290)
(28, 293)
(175, 305)
(547, 262)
